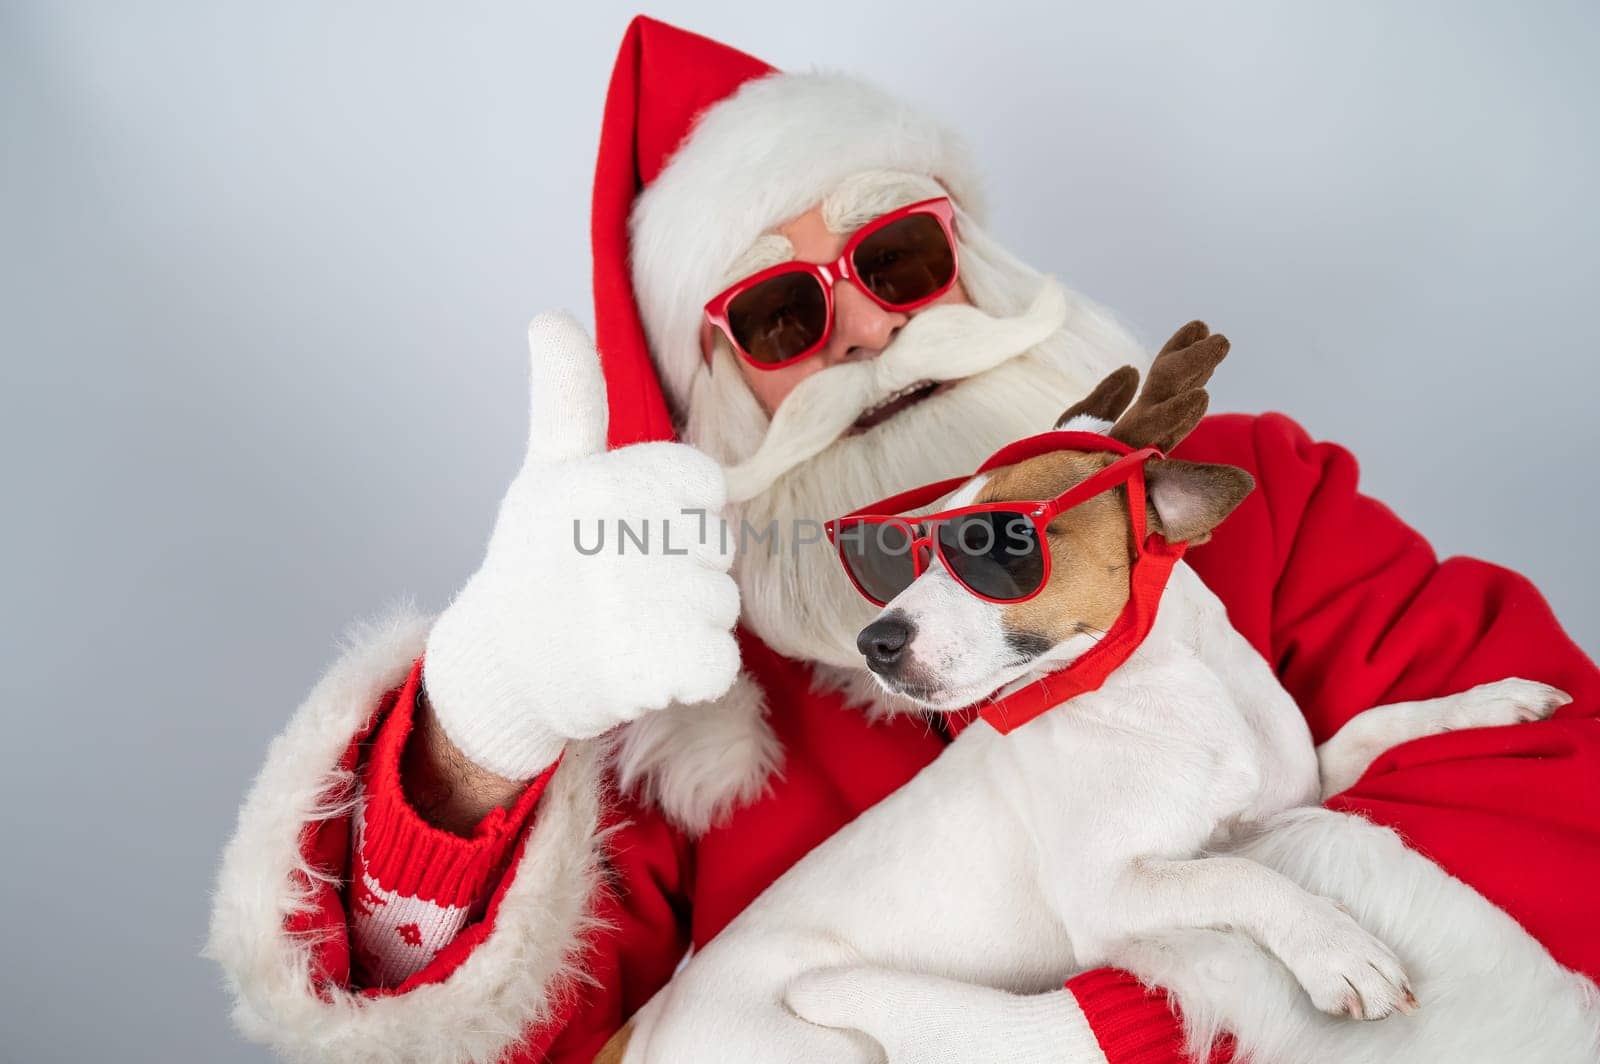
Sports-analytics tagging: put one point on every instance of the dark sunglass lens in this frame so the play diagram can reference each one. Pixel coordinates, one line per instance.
(779, 318)
(905, 261)
(879, 557)
(996, 553)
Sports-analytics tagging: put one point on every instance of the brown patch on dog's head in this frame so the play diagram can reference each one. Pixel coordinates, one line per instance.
(1091, 545)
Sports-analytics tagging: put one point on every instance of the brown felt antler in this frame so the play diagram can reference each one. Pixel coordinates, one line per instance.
(1173, 399)
(1187, 500)
(1108, 400)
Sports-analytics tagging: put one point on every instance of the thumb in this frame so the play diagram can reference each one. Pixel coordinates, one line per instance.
(567, 395)
(861, 999)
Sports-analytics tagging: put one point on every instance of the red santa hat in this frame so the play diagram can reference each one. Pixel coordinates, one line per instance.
(703, 149)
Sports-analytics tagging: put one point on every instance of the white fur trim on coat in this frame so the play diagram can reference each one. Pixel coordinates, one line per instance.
(700, 762)
(764, 155)
(507, 983)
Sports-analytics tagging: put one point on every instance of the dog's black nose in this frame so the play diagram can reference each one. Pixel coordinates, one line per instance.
(883, 642)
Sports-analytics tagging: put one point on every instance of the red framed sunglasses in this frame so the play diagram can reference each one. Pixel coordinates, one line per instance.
(997, 551)
(901, 260)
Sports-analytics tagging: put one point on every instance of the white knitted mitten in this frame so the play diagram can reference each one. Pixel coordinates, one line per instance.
(922, 1019)
(549, 642)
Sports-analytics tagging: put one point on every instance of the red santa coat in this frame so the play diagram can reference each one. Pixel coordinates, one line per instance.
(1349, 604)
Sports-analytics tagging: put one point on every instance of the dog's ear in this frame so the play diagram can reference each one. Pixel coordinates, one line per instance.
(1186, 500)
(1174, 397)
(1096, 411)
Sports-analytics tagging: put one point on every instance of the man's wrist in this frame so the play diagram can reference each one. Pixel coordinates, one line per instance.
(444, 786)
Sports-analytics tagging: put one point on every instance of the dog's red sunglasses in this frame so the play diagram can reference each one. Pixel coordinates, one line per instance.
(997, 551)
(902, 260)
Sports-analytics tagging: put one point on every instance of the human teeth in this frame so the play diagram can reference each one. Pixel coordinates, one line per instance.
(896, 397)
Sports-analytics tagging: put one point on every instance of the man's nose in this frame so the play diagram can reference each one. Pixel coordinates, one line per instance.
(861, 328)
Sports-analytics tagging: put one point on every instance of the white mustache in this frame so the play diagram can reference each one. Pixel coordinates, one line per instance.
(940, 344)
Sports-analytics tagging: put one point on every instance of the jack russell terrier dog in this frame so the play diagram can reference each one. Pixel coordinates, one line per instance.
(1135, 733)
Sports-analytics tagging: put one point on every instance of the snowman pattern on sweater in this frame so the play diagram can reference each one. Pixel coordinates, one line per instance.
(393, 935)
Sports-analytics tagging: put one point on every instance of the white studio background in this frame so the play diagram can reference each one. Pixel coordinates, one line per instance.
(265, 270)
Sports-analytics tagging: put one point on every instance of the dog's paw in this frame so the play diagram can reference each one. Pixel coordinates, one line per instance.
(1344, 969)
(1511, 701)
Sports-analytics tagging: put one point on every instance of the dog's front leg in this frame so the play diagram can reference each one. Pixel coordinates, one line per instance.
(1344, 969)
(1489, 992)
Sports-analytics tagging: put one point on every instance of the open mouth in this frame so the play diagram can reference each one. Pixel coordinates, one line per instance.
(904, 399)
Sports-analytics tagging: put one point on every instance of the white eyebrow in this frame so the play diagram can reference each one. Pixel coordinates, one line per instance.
(858, 199)
(854, 202)
(769, 249)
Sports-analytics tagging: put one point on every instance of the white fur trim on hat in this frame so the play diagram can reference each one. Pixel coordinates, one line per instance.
(764, 155)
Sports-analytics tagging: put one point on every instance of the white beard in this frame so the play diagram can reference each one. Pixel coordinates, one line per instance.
(944, 343)
(796, 597)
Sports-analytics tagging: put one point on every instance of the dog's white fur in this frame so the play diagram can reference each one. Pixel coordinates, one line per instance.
(1346, 756)
(1079, 840)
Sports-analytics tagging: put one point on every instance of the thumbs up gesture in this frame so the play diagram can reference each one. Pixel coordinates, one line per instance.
(552, 640)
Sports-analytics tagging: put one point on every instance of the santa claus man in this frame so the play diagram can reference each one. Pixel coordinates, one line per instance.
(494, 834)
